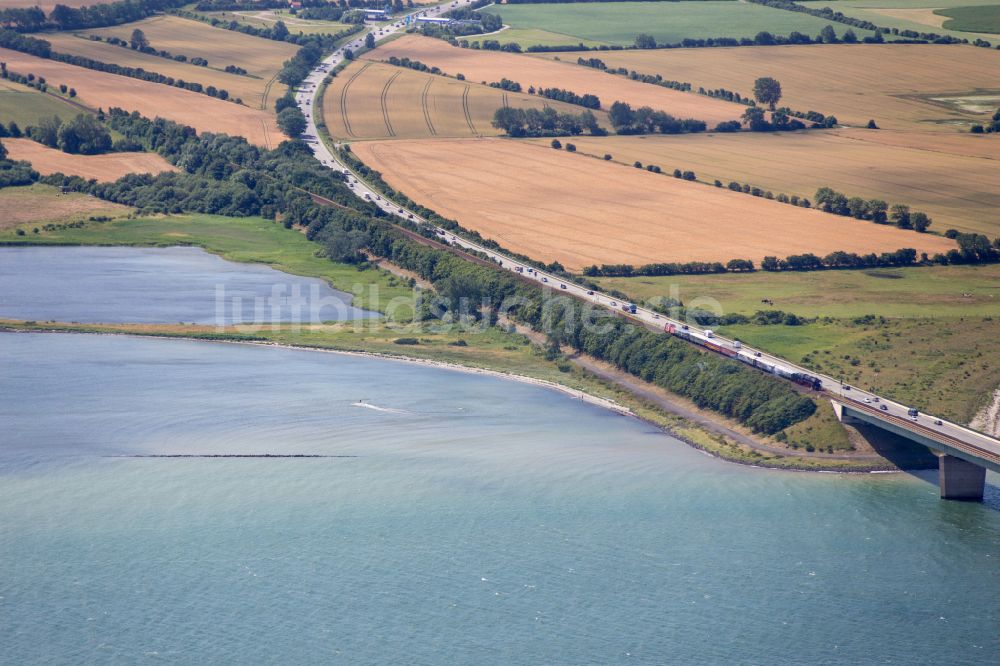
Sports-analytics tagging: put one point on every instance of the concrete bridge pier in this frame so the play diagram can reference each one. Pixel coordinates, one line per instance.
(960, 479)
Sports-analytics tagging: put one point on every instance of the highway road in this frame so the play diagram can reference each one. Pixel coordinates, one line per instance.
(925, 424)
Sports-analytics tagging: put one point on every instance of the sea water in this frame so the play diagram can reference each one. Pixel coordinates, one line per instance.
(158, 286)
(459, 519)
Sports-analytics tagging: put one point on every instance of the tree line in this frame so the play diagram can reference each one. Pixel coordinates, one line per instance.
(544, 122)
(63, 17)
(30, 80)
(876, 210)
(909, 36)
(82, 135)
(15, 173)
(43, 49)
(645, 120)
(587, 100)
(413, 64)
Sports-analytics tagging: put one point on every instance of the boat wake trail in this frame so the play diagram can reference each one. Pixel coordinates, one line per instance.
(388, 410)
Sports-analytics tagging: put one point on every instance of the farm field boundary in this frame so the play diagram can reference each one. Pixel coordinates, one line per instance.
(612, 214)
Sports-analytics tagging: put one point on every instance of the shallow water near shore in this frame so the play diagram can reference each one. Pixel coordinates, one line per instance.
(482, 521)
(158, 286)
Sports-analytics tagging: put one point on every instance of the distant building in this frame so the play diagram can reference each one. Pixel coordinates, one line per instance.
(434, 20)
(377, 14)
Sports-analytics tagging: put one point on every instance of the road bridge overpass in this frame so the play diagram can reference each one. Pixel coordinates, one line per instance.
(963, 457)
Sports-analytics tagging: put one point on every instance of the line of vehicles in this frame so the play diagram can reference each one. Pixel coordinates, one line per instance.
(734, 350)
(702, 337)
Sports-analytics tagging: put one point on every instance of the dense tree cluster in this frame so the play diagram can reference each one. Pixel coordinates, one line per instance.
(645, 120)
(63, 17)
(292, 121)
(544, 122)
(83, 135)
(756, 121)
(506, 84)
(586, 100)
(990, 127)
(876, 210)
(14, 173)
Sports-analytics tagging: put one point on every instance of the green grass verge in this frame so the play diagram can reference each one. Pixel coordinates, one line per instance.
(667, 22)
(972, 19)
(26, 106)
(248, 239)
(946, 366)
(940, 291)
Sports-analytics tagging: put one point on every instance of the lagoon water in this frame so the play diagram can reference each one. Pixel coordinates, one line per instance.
(158, 286)
(475, 521)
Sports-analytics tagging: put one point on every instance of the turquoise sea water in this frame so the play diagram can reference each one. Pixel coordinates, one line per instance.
(480, 521)
(158, 286)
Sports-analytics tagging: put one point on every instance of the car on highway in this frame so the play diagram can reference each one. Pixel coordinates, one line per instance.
(938, 422)
(883, 408)
(590, 293)
(545, 279)
(562, 286)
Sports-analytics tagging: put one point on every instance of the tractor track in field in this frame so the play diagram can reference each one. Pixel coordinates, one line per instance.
(465, 109)
(343, 99)
(426, 109)
(385, 106)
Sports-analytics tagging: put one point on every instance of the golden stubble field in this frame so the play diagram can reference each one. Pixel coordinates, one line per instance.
(956, 190)
(380, 101)
(553, 205)
(204, 113)
(43, 203)
(105, 168)
(892, 84)
(262, 58)
(492, 66)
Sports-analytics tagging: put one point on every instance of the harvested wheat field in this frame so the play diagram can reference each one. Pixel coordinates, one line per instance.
(104, 168)
(903, 86)
(553, 205)
(250, 91)
(42, 203)
(378, 101)
(261, 58)
(955, 190)
(204, 113)
(492, 66)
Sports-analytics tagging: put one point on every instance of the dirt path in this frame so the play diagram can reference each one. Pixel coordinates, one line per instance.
(988, 419)
(673, 405)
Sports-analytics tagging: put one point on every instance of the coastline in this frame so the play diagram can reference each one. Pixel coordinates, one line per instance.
(597, 401)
